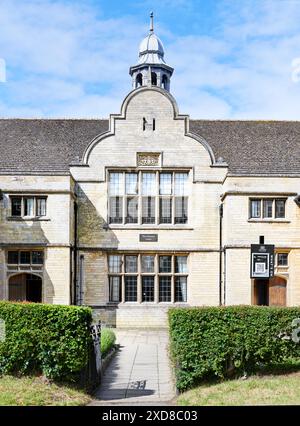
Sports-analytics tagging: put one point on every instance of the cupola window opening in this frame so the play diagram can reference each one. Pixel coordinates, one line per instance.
(139, 80)
(164, 84)
(153, 79)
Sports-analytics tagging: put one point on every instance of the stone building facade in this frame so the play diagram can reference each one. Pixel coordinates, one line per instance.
(148, 209)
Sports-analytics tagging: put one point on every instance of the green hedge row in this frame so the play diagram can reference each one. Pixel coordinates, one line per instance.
(49, 339)
(219, 341)
(108, 339)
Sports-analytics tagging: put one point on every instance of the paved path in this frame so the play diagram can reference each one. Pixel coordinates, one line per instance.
(140, 372)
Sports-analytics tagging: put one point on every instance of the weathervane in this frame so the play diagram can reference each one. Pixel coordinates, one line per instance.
(151, 22)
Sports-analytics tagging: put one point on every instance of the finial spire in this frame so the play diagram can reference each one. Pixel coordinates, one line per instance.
(151, 22)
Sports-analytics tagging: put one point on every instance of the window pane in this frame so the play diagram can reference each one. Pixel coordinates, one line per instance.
(132, 210)
(16, 206)
(148, 184)
(181, 264)
(180, 289)
(115, 263)
(147, 263)
(130, 263)
(130, 289)
(131, 183)
(116, 183)
(279, 208)
(165, 210)
(114, 289)
(267, 208)
(13, 257)
(28, 206)
(165, 264)
(25, 257)
(181, 214)
(41, 206)
(282, 259)
(165, 289)
(165, 183)
(116, 209)
(255, 208)
(148, 289)
(37, 257)
(181, 180)
(148, 210)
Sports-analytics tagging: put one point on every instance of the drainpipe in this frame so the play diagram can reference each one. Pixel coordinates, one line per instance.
(75, 251)
(81, 279)
(224, 279)
(220, 252)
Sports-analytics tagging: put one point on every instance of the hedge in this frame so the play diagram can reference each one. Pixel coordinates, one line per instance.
(48, 339)
(221, 341)
(108, 339)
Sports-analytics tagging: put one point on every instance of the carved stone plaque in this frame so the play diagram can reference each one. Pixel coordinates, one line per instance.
(148, 159)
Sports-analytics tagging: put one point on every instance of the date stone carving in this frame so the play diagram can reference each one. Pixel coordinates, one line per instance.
(148, 159)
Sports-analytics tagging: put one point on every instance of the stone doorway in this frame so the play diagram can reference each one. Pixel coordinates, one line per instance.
(25, 287)
(270, 292)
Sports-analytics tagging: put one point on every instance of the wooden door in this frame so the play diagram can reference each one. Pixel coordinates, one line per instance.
(17, 288)
(277, 291)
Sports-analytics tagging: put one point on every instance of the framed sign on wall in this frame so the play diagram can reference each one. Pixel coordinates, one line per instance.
(262, 261)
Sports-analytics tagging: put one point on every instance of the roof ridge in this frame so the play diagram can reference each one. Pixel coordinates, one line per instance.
(54, 118)
(244, 120)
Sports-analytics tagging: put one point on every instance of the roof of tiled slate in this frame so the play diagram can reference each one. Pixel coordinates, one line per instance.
(50, 145)
(253, 147)
(45, 145)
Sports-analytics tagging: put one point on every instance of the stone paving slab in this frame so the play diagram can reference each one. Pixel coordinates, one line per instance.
(140, 372)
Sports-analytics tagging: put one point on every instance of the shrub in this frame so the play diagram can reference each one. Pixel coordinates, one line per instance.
(49, 339)
(108, 339)
(217, 341)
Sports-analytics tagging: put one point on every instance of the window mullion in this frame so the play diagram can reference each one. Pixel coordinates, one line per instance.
(124, 199)
(122, 278)
(173, 198)
(139, 280)
(156, 281)
(173, 280)
(157, 199)
(139, 197)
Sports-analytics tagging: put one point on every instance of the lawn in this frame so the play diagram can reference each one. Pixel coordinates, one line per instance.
(34, 391)
(281, 389)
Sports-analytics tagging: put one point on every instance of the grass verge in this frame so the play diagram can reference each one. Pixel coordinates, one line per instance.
(271, 389)
(23, 391)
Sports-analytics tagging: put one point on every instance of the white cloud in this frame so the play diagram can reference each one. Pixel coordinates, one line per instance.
(65, 59)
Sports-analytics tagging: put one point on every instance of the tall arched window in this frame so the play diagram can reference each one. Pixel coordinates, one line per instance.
(165, 82)
(153, 79)
(139, 80)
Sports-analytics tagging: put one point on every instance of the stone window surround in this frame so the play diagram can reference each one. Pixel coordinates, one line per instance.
(156, 275)
(267, 219)
(33, 217)
(157, 224)
(24, 267)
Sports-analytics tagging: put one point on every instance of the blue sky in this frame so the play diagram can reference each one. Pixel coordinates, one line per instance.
(233, 59)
